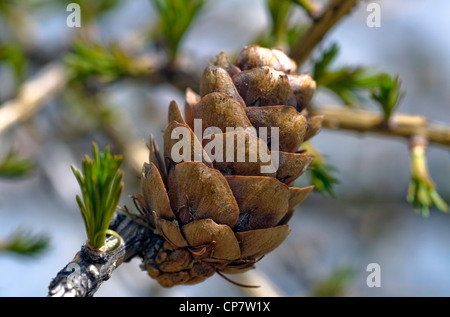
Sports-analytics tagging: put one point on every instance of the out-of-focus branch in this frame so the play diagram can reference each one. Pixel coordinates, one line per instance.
(333, 12)
(32, 95)
(54, 77)
(400, 125)
(311, 7)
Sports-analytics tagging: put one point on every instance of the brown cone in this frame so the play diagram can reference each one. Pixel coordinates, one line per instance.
(223, 201)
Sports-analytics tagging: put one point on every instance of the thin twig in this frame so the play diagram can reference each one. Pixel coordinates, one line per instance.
(333, 12)
(401, 125)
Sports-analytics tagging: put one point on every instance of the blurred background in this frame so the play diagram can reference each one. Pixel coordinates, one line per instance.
(110, 98)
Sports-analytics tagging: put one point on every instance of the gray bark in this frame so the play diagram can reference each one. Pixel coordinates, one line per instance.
(89, 269)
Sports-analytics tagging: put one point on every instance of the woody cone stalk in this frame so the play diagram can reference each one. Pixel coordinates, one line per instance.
(223, 201)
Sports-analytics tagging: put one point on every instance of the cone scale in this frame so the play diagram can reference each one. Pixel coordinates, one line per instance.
(221, 194)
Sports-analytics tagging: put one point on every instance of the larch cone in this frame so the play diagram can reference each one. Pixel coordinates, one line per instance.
(220, 193)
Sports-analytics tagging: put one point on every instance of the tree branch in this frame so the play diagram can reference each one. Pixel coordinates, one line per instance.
(83, 276)
(333, 12)
(33, 94)
(400, 125)
(53, 78)
(89, 269)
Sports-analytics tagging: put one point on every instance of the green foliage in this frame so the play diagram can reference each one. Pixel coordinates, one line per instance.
(308, 5)
(281, 33)
(422, 192)
(176, 16)
(354, 86)
(101, 188)
(12, 165)
(323, 178)
(279, 16)
(387, 93)
(107, 63)
(422, 195)
(322, 63)
(335, 284)
(82, 106)
(23, 242)
(322, 175)
(350, 84)
(13, 55)
(293, 34)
